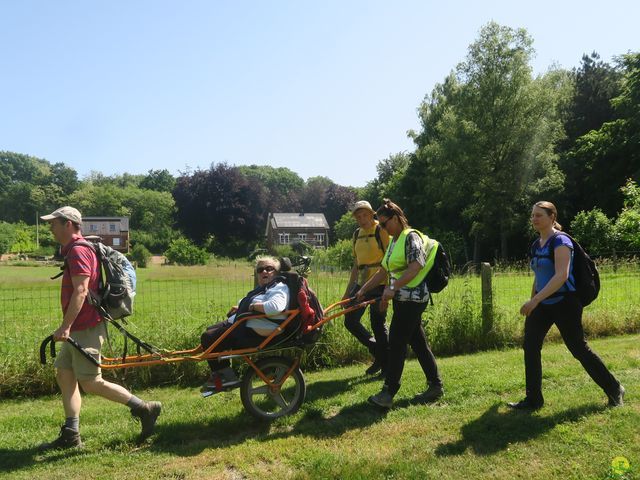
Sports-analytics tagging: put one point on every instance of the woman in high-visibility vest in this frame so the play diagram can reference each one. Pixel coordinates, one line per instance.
(409, 257)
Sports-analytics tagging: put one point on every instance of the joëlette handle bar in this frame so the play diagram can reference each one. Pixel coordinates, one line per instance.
(52, 345)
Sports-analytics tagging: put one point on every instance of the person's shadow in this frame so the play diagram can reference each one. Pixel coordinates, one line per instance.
(494, 431)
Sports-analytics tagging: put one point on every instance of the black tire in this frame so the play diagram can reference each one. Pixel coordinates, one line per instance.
(266, 404)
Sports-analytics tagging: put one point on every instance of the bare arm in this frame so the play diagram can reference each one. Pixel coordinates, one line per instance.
(562, 256)
(80, 291)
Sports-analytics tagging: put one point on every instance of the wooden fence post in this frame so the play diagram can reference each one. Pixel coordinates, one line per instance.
(487, 298)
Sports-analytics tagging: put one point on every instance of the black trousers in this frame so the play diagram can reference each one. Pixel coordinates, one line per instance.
(406, 328)
(567, 315)
(378, 319)
(241, 337)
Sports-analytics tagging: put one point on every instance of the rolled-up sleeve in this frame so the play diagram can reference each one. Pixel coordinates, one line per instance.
(276, 299)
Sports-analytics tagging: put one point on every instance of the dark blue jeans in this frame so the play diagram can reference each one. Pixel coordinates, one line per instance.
(567, 316)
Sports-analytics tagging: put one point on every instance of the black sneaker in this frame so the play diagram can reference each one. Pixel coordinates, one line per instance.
(375, 368)
(433, 393)
(526, 404)
(383, 399)
(147, 414)
(617, 399)
(67, 439)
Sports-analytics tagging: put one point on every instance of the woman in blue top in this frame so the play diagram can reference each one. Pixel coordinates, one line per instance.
(553, 300)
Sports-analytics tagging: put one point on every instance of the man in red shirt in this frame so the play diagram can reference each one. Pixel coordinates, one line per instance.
(82, 322)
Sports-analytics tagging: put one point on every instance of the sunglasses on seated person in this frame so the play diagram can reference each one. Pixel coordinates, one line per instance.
(267, 269)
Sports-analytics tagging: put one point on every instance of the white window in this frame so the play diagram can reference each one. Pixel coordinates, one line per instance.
(302, 237)
(93, 227)
(320, 238)
(112, 227)
(284, 238)
(116, 242)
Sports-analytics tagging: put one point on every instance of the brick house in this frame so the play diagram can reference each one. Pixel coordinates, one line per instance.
(114, 231)
(289, 228)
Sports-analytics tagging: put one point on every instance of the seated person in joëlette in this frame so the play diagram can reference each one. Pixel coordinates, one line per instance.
(270, 297)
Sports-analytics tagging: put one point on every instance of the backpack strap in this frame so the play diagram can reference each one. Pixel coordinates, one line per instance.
(379, 238)
(376, 234)
(65, 265)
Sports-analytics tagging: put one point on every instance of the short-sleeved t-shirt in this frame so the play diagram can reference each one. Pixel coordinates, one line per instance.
(367, 251)
(81, 261)
(544, 268)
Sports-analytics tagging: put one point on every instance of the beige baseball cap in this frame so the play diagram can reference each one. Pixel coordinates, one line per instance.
(362, 204)
(69, 213)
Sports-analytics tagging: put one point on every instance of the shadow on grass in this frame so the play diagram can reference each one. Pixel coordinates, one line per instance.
(11, 460)
(190, 438)
(494, 431)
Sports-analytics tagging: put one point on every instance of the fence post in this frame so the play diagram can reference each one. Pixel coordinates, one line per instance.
(487, 298)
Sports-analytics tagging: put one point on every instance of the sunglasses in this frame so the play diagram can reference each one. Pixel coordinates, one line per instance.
(384, 224)
(267, 269)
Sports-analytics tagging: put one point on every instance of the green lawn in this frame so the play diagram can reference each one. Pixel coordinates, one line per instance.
(468, 434)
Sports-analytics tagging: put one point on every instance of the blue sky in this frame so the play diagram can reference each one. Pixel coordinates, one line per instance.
(323, 88)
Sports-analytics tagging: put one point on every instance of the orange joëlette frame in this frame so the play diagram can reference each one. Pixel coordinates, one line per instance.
(198, 354)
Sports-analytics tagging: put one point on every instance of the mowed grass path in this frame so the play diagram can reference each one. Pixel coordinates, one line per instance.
(336, 434)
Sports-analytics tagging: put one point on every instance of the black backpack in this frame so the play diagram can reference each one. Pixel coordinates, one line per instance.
(438, 277)
(376, 234)
(585, 273)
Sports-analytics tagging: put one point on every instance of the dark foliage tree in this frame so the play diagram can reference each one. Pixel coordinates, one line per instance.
(222, 202)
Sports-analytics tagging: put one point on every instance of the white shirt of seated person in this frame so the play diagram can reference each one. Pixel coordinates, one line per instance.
(274, 300)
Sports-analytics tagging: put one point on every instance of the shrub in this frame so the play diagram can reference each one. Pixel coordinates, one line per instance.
(183, 252)
(7, 236)
(594, 230)
(140, 255)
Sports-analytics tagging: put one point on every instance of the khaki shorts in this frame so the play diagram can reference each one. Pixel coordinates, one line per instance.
(70, 358)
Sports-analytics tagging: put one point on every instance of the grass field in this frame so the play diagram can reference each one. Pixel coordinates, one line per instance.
(174, 304)
(469, 434)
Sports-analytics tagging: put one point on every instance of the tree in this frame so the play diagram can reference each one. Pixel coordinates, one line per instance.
(603, 159)
(284, 186)
(30, 186)
(344, 228)
(627, 225)
(487, 145)
(595, 232)
(223, 202)
(7, 236)
(158, 180)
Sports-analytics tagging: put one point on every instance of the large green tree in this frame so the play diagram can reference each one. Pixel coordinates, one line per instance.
(31, 186)
(605, 158)
(487, 146)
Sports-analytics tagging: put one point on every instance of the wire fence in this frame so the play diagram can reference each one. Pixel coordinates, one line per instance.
(175, 305)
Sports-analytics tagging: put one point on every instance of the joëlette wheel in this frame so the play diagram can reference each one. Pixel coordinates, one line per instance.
(265, 402)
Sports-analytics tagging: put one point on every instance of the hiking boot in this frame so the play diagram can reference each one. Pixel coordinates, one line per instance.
(224, 379)
(617, 399)
(433, 393)
(375, 368)
(67, 439)
(526, 404)
(383, 399)
(147, 414)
